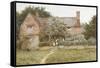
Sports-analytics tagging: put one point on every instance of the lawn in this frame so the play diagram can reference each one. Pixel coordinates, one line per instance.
(59, 55)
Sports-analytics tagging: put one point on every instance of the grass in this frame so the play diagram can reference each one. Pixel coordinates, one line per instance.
(29, 57)
(73, 55)
(60, 55)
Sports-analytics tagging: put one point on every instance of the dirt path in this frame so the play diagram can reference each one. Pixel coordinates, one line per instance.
(67, 47)
(45, 58)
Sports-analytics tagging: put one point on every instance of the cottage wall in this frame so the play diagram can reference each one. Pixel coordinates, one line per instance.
(29, 32)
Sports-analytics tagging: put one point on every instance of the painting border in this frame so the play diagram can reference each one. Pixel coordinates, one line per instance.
(13, 32)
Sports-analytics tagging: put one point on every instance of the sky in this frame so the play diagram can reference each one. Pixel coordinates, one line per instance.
(63, 11)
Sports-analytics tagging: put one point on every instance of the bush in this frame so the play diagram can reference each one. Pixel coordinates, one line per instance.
(18, 44)
(91, 41)
(44, 44)
(76, 40)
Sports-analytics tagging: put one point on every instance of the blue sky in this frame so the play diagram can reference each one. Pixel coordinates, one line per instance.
(63, 11)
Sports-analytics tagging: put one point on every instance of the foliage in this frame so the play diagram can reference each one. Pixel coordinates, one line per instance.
(91, 41)
(56, 30)
(90, 29)
(34, 11)
(75, 40)
(42, 44)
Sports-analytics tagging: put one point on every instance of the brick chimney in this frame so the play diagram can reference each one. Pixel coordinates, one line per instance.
(77, 24)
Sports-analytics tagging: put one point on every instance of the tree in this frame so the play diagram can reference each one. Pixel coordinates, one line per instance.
(90, 29)
(56, 31)
(33, 10)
